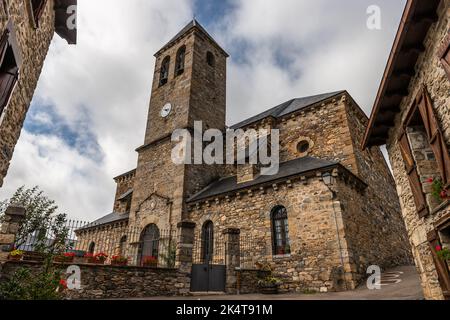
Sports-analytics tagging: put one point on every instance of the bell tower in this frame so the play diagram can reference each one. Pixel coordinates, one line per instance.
(189, 84)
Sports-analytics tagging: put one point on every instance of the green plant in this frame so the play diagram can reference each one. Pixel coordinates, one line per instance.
(16, 253)
(171, 256)
(24, 285)
(42, 222)
(266, 277)
(443, 253)
(438, 189)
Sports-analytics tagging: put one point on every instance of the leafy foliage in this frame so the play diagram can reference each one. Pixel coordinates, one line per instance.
(42, 223)
(24, 285)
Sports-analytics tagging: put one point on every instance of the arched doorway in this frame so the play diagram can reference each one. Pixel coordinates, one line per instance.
(149, 245)
(207, 241)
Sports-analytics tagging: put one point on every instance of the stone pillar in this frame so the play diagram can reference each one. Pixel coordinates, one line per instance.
(232, 258)
(13, 218)
(185, 246)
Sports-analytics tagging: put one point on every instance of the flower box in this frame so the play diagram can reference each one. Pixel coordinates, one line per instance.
(33, 256)
(119, 264)
(15, 257)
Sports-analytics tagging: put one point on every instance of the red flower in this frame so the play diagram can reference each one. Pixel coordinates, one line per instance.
(88, 255)
(443, 194)
(430, 180)
(63, 283)
(69, 254)
(438, 248)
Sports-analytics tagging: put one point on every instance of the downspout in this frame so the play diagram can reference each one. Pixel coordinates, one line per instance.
(334, 197)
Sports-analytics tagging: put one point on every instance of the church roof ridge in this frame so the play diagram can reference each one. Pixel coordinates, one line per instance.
(192, 24)
(287, 169)
(288, 107)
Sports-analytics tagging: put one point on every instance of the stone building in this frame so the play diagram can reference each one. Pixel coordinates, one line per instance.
(330, 212)
(26, 30)
(412, 117)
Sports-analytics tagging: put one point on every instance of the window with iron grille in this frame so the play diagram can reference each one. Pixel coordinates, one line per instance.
(207, 241)
(280, 231)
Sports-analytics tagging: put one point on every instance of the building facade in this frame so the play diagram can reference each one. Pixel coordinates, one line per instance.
(330, 212)
(26, 30)
(412, 117)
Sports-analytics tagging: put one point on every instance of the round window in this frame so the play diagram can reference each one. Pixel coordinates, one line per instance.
(303, 146)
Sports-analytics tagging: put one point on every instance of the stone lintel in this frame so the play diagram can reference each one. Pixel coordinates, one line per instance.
(186, 225)
(231, 231)
(15, 211)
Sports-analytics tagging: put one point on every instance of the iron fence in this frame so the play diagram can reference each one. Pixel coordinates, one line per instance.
(118, 243)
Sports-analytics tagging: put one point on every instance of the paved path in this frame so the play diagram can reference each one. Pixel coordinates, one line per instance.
(401, 283)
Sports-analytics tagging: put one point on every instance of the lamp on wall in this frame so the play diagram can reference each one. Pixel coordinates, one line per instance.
(327, 178)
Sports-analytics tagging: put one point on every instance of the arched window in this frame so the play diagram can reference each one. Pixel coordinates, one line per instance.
(91, 247)
(210, 59)
(149, 245)
(179, 64)
(164, 73)
(207, 241)
(122, 246)
(280, 231)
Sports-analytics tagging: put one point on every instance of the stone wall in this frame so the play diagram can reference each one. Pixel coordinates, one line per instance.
(124, 183)
(33, 46)
(374, 234)
(315, 261)
(107, 239)
(110, 282)
(430, 72)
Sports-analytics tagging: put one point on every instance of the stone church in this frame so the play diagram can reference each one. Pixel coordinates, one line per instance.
(329, 213)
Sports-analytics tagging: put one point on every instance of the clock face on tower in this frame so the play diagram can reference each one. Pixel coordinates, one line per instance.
(165, 111)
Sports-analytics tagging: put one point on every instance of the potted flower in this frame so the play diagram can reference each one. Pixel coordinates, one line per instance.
(66, 257)
(16, 255)
(89, 258)
(100, 258)
(443, 253)
(439, 191)
(267, 283)
(119, 261)
(150, 262)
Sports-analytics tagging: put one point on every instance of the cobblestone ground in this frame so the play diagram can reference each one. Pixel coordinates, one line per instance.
(401, 283)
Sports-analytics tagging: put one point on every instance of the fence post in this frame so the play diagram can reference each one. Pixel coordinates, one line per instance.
(185, 246)
(232, 258)
(14, 216)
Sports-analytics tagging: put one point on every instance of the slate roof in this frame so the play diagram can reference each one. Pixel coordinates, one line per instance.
(110, 218)
(193, 24)
(125, 195)
(287, 169)
(287, 108)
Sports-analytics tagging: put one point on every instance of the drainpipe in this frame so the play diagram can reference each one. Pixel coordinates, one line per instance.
(327, 179)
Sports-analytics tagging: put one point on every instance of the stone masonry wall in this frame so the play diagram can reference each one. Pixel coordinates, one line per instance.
(33, 45)
(111, 282)
(124, 182)
(429, 72)
(373, 234)
(314, 262)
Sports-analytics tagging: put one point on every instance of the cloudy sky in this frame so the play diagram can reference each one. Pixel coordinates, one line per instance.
(88, 113)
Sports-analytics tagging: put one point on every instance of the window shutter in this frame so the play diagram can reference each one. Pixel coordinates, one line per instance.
(413, 176)
(441, 267)
(3, 45)
(7, 82)
(435, 136)
(38, 8)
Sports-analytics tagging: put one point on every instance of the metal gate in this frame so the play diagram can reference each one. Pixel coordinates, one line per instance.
(209, 265)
